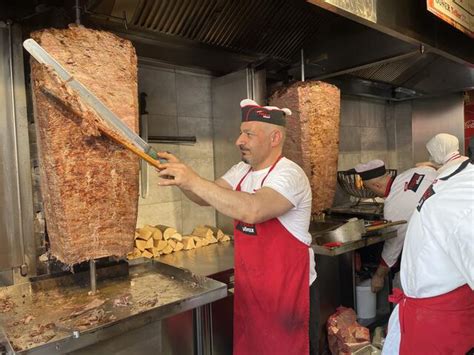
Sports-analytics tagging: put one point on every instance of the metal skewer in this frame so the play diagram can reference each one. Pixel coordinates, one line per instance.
(92, 275)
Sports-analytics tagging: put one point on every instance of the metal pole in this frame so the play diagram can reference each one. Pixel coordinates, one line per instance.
(92, 277)
(15, 135)
(302, 64)
(78, 13)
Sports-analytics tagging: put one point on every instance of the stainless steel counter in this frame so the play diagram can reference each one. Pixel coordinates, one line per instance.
(354, 245)
(206, 261)
(214, 322)
(216, 258)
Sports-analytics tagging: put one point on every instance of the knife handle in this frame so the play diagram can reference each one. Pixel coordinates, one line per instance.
(149, 159)
(152, 153)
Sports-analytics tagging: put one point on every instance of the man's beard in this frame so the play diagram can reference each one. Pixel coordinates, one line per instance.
(244, 159)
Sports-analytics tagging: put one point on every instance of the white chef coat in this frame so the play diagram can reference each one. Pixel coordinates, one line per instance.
(438, 253)
(455, 159)
(288, 179)
(405, 192)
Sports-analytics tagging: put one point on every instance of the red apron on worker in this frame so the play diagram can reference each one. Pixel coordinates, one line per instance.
(271, 305)
(436, 325)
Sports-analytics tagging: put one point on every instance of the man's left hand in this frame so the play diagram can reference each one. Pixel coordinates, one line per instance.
(378, 279)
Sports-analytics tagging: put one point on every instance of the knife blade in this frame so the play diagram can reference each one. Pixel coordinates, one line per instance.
(43, 57)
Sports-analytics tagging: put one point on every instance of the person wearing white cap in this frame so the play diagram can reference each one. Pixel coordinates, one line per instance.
(269, 198)
(401, 194)
(435, 311)
(444, 151)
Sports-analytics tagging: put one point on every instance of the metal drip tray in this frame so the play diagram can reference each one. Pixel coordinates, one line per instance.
(56, 316)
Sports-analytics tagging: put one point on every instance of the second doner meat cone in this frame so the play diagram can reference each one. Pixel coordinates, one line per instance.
(313, 135)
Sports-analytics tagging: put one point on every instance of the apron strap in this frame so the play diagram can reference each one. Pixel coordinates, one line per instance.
(269, 171)
(238, 188)
(242, 180)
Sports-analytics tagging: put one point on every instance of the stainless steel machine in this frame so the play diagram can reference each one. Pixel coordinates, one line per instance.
(106, 306)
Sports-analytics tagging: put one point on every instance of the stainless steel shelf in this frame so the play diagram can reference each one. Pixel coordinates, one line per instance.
(354, 245)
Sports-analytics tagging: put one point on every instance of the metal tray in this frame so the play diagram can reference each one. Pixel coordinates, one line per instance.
(349, 231)
(56, 316)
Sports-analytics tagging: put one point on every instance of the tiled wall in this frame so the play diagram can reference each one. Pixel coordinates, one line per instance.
(374, 129)
(178, 104)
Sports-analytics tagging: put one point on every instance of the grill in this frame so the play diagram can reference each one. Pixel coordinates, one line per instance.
(350, 182)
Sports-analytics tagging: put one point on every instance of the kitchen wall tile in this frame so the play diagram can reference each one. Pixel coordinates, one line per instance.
(193, 95)
(350, 111)
(160, 87)
(349, 139)
(162, 125)
(391, 130)
(168, 213)
(404, 131)
(202, 129)
(372, 113)
(201, 165)
(368, 155)
(405, 158)
(373, 139)
(226, 154)
(158, 194)
(392, 160)
(403, 117)
(194, 215)
(347, 161)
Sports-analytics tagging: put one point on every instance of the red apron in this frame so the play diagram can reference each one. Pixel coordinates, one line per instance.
(271, 304)
(436, 325)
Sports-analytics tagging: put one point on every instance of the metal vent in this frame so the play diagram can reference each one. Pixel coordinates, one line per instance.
(276, 28)
(396, 72)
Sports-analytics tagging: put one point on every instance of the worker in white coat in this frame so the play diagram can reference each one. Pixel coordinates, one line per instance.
(402, 194)
(435, 314)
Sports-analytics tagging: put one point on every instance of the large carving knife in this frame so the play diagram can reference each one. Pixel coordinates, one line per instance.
(129, 139)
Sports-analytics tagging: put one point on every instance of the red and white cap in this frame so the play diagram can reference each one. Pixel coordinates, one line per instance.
(371, 170)
(251, 111)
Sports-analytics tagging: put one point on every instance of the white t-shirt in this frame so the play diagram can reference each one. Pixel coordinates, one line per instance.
(289, 180)
(405, 192)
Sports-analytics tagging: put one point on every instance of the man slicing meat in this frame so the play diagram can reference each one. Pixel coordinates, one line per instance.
(402, 194)
(435, 315)
(269, 198)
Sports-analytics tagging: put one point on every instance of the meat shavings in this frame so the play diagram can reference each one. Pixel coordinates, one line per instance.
(94, 304)
(27, 319)
(123, 301)
(96, 316)
(42, 333)
(6, 304)
(149, 303)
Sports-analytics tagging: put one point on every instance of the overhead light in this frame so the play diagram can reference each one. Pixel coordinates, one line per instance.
(405, 91)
